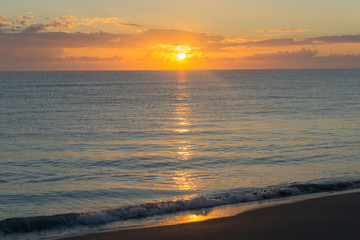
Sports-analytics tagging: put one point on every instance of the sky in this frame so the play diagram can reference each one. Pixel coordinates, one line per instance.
(187, 34)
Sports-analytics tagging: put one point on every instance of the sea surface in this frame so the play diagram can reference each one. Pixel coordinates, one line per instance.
(82, 150)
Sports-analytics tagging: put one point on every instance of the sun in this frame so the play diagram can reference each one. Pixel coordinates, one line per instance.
(181, 56)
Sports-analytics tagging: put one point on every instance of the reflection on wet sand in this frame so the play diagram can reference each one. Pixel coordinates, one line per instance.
(217, 212)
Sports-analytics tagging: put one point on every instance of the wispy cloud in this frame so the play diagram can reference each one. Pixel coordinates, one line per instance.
(2, 18)
(55, 25)
(23, 17)
(300, 55)
(88, 59)
(283, 30)
(33, 38)
(111, 20)
(65, 23)
(304, 58)
(335, 39)
(282, 42)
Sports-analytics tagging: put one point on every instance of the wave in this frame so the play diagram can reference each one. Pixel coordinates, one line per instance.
(38, 223)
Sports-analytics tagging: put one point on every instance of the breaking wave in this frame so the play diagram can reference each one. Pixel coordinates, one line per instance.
(38, 223)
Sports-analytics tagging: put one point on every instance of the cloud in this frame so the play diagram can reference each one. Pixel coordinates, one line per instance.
(52, 18)
(68, 18)
(54, 41)
(23, 17)
(110, 20)
(23, 55)
(175, 37)
(214, 42)
(128, 24)
(34, 37)
(300, 55)
(301, 42)
(55, 25)
(4, 24)
(64, 23)
(336, 39)
(340, 58)
(285, 42)
(38, 45)
(15, 23)
(88, 59)
(277, 43)
(2, 18)
(304, 58)
(283, 30)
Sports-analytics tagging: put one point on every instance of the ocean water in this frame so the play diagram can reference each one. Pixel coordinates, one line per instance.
(85, 149)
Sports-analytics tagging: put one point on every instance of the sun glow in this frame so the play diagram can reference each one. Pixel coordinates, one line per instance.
(181, 56)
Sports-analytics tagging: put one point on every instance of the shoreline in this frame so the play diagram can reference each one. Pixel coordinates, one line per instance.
(333, 216)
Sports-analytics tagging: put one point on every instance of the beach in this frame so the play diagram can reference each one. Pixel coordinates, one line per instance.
(331, 217)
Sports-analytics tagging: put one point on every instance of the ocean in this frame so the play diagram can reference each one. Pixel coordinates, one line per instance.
(90, 150)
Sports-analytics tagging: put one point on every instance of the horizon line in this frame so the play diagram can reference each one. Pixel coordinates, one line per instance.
(212, 69)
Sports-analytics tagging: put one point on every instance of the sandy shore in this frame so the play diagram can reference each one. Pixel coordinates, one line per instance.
(330, 217)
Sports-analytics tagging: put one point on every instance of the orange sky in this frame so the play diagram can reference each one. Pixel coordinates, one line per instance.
(150, 37)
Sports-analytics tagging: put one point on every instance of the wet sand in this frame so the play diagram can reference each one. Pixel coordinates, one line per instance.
(331, 217)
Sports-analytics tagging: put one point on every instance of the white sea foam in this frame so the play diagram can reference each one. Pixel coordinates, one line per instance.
(30, 224)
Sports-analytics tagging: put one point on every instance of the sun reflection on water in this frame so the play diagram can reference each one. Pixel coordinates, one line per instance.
(184, 179)
(182, 130)
(184, 151)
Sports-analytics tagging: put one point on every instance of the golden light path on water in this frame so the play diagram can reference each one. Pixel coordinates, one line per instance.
(182, 112)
